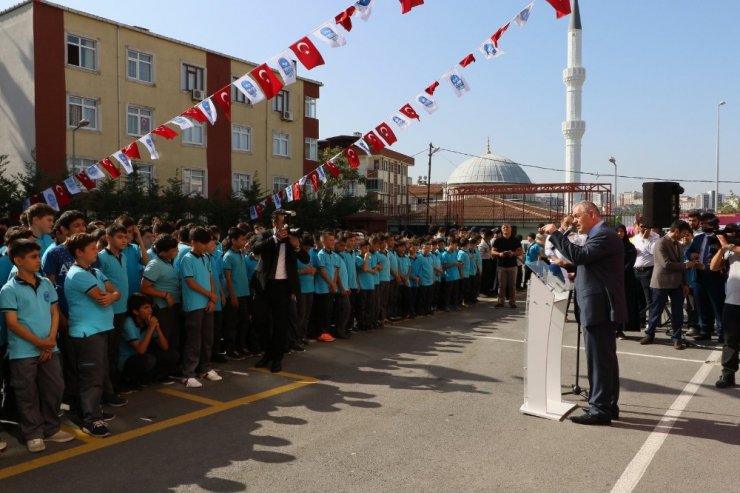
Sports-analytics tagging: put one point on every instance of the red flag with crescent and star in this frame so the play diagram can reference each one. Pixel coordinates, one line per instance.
(432, 87)
(467, 60)
(407, 5)
(86, 181)
(352, 157)
(196, 114)
(385, 131)
(314, 177)
(223, 98)
(267, 80)
(332, 169)
(132, 151)
(562, 7)
(375, 143)
(307, 53)
(62, 195)
(296, 191)
(165, 131)
(497, 35)
(344, 19)
(108, 166)
(409, 111)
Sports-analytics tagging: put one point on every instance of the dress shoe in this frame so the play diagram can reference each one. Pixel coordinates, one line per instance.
(621, 336)
(263, 362)
(277, 366)
(725, 382)
(647, 340)
(703, 337)
(615, 414)
(590, 419)
(679, 345)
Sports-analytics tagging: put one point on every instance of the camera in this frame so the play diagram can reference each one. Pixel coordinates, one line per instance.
(731, 232)
(297, 232)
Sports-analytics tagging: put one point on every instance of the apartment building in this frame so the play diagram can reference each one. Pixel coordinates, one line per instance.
(59, 66)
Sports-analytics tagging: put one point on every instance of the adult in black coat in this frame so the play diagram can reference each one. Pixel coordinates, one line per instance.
(277, 287)
(631, 286)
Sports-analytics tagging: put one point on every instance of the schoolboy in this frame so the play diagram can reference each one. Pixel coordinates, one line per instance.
(404, 273)
(414, 277)
(375, 264)
(325, 285)
(306, 273)
(366, 297)
(342, 306)
(217, 270)
(40, 219)
(29, 303)
(384, 275)
(393, 285)
(438, 274)
(135, 253)
(236, 314)
(463, 257)
(348, 256)
(452, 267)
(426, 280)
(90, 297)
(199, 297)
(161, 282)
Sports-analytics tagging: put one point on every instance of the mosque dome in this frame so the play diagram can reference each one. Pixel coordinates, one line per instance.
(488, 168)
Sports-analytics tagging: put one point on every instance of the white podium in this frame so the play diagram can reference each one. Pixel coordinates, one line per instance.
(547, 302)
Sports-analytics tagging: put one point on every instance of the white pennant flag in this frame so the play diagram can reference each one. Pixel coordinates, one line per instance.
(206, 106)
(251, 91)
(490, 50)
(253, 212)
(321, 173)
(364, 8)
(149, 144)
(182, 122)
(523, 16)
(50, 198)
(125, 163)
(96, 173)
(276, 200)
(302, 181)
(284, 64)
(72, 185)
(363, 145)
(401, 121)
(458, 83)
(289, 193)
(427, 102)
(330, 35)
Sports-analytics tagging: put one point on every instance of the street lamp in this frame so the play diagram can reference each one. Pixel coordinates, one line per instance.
(614, 162)
(716, 181)
(81, 124)
(432, 150)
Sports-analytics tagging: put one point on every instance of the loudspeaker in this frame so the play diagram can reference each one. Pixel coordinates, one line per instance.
(660, 203)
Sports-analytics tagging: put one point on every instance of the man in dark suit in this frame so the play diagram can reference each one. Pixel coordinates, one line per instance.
(277, 287)
(600, 295)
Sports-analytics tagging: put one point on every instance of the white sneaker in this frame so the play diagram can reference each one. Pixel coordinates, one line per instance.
(213, 376)
(36, 445)
(60, 436)
(192, 383)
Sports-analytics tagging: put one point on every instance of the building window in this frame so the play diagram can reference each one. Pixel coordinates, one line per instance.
(236, 95)
(281, 102)
(138, 121)
(193, 135)
(279, 183)
(143, 175)
(140, 66)
(280, 144)
(375, 185)
(310, 107)
(241, 138)
(240, 182)
(79, 108)
(78, 164)
(193, 181)
(351, 188)
(193, 77)
(82, 52)
(312, 149)
(376, 164)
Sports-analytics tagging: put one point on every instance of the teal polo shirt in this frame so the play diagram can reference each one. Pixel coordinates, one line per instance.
(343, 277)
(133, 268)
(307, 280)
(115, 270)
(416, 264)
(472, 264)
(45, 242)
(404, 265)
(234, 263)
(182, 249)
(436, 263)
(374, 261)
(349, 263)
(32, 303)
(163, 276)
(131, 333)
(198, 268)
(86, 317)
(364, 279)
(451, 273)
(385, 272)
(252, 264)
(464, 257)
(328, 262)
(426, 272)
(393, 260)
(217, 269)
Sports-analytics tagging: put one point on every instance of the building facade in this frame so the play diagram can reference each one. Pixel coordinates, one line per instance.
(61, 66)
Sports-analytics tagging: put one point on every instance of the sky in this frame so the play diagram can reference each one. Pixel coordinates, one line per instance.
(655, 72)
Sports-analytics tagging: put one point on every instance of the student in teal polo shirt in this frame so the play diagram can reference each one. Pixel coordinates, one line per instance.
(341, 297)
(426, 280)
(40, 219)
(306, 274)
(325, 286)
(135, 253)
(348, 256)
(90, 297)
(385, 280)
(161, 282)
(438, 272)
(366, 297)
(404, 276)
(217, 270)
(377, 266)
(463, 256)
(29, 303)
(393, 285)
(236, 316)
(254, 346)
(452, 267)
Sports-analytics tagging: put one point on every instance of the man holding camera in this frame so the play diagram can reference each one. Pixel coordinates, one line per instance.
(728, 258)
(506, 249)
(277, 287)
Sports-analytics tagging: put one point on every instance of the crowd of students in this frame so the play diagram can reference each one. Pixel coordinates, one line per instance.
(93, 311)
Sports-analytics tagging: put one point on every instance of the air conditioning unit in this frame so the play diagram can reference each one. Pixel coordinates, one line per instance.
(288, 116)
(198, 95)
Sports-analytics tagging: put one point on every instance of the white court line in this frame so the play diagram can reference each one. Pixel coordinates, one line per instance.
(639, 464)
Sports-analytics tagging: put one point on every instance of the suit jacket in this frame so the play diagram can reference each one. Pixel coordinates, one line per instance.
(268, 249)
(669, 271)
(599, 275)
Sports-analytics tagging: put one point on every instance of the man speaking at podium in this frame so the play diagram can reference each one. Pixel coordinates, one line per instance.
(600, 295)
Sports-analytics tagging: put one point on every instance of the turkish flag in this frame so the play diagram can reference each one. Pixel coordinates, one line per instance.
(562, 7)
(345, 18)
(432, 87)
(165, 131)
(223, 98)
(62, 195)
(296, 191)
(36, 198)
(497, 35)
(196, 114)
(86, 181)
(132, 151)
(375, 143)
(267, 80)
(108, 166)
(467, 60)
(385, 131)
(407, 5)
(307, 53)
(332, 168)
(314, 176)
(352, 157)
(409, 111)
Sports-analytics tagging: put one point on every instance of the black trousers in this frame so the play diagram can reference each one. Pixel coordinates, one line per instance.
(272, 310)
(170, 321)
(487, 276)
(322, 306)
(237, 324)
(603, 368)
(731, 323)
(366, 309)
(643, 278)
(451, 292)
(92, 368)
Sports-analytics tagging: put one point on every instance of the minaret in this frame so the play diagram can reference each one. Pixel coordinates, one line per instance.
(573, 77)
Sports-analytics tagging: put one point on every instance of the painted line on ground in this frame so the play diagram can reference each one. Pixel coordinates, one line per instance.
(641, 461)
(189, 396)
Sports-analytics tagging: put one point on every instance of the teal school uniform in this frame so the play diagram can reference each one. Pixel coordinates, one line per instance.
(130, 333)
(349, 263)
(306, 280)
(198, 268)
(385, 272)
(164, 277)
(115, 270)
(452, 273)
(235, 264)
(32, 303)
(133, 268)
(326, 261)
(364, 279)
(86, 317)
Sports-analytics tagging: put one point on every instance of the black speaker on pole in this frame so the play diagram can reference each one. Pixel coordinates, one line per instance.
(660, 203)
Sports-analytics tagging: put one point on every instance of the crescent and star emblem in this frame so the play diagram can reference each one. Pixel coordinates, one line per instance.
(301, 47)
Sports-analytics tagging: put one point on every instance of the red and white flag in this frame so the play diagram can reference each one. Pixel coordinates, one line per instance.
(307, 53)
(490, 50)
(457, 81)
(196, 114)
(223, 98)
(385, 131)
(330, 35)
(108, 166)
(285, 66)
(467, 60)
(72, 185)
(85, 179)
(432, 87)
(132, 151)
(94, 172)
(125, 163)
(375, 143)
(314, 177)
(296, 191)
(51, 198)
(332, 169)
(497, 35)
(523, 16)
(409, 111)
(267, 80)
(148, 142)
(562, 7)
(62, 195)
(250, 90)
(344, 19)
(166, 132)
(182, 122)
(364, 8)
(427, 102)
(206, 106)
(352, 157)
(363, 145)
(407, 5)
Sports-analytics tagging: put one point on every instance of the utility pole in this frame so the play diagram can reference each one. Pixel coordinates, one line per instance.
(432, 150)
